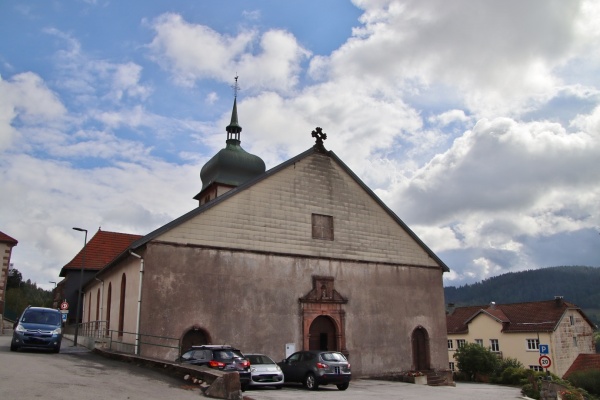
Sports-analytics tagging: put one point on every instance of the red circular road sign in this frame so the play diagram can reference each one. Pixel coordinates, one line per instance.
(545, 362)
(64, 305)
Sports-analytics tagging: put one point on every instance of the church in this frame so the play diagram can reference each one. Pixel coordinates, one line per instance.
(300, 256)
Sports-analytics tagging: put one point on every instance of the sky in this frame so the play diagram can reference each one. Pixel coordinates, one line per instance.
(477, 123)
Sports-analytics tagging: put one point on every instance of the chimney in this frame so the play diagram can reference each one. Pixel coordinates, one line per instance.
(493, 305)
(450, 309)
(558, 300)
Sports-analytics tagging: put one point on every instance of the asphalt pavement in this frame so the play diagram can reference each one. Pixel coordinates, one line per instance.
(129, 386)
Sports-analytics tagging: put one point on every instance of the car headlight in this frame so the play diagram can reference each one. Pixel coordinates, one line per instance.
(20, 328)
(57, 331)
(278, 368)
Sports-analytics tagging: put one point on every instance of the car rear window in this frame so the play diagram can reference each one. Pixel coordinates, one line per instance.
(333, 357)
(226, 354)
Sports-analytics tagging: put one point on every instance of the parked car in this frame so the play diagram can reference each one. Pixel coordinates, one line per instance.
(264, 371)
(222, 357)
(316, 367)
(38, 327)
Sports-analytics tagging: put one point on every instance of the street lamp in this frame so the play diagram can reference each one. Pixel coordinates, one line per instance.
(80, 286)
(54, 284)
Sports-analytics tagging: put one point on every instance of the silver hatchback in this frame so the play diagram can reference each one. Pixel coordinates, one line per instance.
(264, 371)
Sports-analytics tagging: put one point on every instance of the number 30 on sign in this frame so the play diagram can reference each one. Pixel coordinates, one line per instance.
(545, 362)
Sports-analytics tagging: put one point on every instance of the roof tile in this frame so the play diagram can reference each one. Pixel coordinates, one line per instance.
(101, 249)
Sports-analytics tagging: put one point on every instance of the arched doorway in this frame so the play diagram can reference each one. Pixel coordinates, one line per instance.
(194, 337)
(420, 349)
(322, 334)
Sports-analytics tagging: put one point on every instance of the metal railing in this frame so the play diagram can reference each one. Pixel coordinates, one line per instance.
(122, 341)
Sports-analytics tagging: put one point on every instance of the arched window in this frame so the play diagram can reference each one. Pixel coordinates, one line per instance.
(89, 313)
(122, 305)
(108, 301)
(97, 307)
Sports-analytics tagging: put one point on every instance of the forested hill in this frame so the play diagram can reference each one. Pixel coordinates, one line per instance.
(578, 285)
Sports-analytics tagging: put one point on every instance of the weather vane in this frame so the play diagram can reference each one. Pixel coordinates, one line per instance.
(235, 87)
(319, 135)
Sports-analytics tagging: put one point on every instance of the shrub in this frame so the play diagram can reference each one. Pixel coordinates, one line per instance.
(474, 359)
(588, 380)
(513, 376)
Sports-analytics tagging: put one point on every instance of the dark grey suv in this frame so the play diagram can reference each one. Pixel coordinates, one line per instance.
(222, 357)
(38, 327)
(317, 367)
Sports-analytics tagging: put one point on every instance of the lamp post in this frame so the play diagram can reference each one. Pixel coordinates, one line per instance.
(80, 286)
(54, 284)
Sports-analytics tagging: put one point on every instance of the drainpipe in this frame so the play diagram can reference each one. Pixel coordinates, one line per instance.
(139, 307)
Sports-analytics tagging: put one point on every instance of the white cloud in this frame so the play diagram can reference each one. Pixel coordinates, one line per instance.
(193, 52)
(25, 99)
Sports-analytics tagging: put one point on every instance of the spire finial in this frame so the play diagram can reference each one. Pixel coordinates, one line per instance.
(235, 87)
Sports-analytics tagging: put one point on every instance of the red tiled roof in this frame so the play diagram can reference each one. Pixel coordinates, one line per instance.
(584, 362)
(101, 249)
(538, 316)
(4, 238)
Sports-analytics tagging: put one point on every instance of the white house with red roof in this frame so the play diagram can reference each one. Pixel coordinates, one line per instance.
(517, 330)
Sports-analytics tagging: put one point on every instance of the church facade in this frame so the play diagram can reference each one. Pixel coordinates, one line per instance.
(302, 256)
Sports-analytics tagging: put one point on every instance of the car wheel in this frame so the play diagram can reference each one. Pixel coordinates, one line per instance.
(56, 349)
(310, 382)
(343, 386)
(13, 347)
(244, 387)
(278, 387)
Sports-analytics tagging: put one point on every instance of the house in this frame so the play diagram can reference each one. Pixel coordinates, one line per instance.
(6, 245)
(517, 331)
(102, 248)
(302, 256)
(584, 362)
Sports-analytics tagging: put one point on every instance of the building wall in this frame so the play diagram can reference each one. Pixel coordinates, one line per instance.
(130, 268)
(5, 252)
(250, 300)
(563, 350)
(274, 215)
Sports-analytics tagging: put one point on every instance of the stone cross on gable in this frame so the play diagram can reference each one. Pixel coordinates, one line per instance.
(320, 136)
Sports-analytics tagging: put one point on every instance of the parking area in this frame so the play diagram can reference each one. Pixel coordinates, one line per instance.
(371, 389)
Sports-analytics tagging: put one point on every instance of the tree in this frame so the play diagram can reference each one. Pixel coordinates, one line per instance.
(473, 358)
(14, 279)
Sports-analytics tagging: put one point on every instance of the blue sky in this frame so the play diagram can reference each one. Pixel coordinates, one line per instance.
(478, 123)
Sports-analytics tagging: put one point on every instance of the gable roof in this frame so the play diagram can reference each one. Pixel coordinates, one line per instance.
(315, 149)
(100, 250)
(537, 316)
(4, 238)
(584, 362)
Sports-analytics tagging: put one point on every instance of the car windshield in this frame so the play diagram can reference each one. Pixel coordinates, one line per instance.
(256, 359)
(333, 357)
(41, 317)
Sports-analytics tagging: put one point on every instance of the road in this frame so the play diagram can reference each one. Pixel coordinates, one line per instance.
(78, 373)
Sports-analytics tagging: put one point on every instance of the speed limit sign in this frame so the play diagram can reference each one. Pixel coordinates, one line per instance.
(545, 362)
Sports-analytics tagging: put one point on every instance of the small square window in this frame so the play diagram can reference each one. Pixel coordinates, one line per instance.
(322, 227)
(460, 343)
(479, 342)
